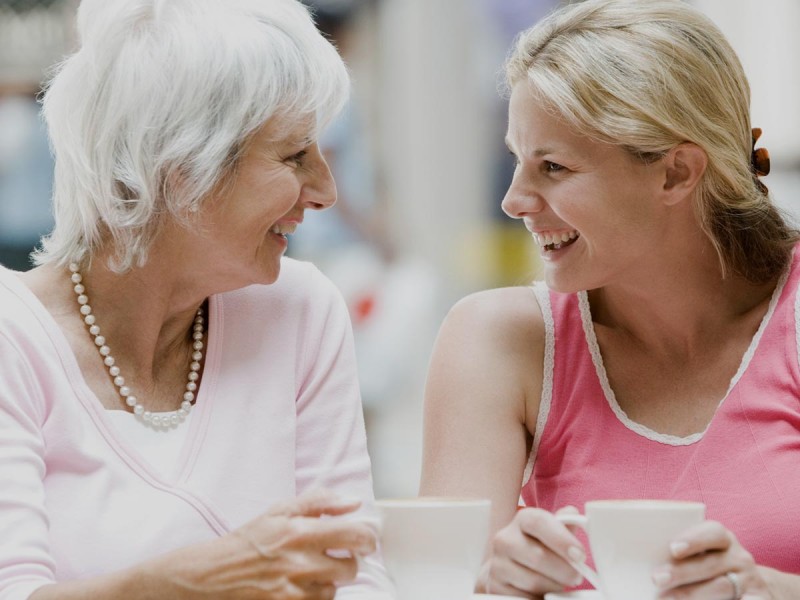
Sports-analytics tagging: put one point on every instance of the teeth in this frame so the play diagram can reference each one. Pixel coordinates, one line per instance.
(554, 240)
(283, 228)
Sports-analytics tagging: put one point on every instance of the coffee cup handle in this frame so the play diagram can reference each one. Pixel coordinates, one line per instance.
(582, 568)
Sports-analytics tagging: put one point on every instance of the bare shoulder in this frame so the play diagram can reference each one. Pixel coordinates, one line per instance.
(494, 340)
(482, 397)
(505, 318)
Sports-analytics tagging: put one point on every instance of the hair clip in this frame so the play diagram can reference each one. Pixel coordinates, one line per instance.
(759, 162)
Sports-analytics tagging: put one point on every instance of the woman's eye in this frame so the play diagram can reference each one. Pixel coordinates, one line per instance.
(297, 159)
(552, 167)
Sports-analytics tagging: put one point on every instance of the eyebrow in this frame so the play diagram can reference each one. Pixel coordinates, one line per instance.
(536, 152)
(302, 141)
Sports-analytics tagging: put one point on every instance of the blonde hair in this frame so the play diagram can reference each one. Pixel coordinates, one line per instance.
(647, 76)
(154, 109)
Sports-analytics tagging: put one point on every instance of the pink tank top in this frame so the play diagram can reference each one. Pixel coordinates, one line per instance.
(745, 466)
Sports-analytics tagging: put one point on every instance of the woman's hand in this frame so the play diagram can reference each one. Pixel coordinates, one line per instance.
(710, 564)
(290, 553)
(529, 557)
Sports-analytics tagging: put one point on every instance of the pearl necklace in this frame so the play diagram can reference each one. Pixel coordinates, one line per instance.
(165, 419)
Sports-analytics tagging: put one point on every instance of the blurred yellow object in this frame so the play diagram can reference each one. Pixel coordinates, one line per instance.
(502, 254)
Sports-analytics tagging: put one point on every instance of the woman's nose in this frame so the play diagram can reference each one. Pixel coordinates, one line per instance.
(519, 202)
(319, 191)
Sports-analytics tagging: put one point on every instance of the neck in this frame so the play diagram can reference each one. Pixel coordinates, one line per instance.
(680, 302)
(150, 308)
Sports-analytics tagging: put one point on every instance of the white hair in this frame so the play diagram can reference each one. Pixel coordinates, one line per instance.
(152, 111)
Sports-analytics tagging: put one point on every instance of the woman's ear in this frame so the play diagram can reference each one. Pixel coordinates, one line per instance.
(684, 166)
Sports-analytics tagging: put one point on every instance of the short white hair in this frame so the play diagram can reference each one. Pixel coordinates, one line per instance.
(152, 111)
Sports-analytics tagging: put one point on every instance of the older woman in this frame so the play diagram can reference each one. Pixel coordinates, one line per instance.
(659, 358)
(175, 396)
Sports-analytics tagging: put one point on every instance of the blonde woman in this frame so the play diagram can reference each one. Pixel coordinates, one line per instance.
(659, 357)
(179, 409)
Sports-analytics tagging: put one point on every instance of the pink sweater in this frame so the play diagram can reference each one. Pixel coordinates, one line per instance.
(278, 412)
(745, 466)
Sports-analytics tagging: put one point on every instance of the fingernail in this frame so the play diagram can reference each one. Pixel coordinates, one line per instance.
(577, 581)
(661, 577)
(576, 554)
(678, 548)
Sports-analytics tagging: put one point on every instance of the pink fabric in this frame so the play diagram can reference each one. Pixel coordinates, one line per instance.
(278, 413)
(745, 467)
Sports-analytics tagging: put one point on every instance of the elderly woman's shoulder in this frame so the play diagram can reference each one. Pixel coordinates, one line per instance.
(21, 314)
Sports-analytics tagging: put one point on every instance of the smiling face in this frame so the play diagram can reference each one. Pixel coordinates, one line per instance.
(243, 226)
(592, 207)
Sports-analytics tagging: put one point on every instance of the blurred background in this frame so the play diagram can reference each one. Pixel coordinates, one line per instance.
(420, 164)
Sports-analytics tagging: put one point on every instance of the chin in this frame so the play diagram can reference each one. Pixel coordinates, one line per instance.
(563, 285)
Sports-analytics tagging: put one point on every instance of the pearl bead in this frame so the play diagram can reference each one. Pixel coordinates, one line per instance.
(164, 420)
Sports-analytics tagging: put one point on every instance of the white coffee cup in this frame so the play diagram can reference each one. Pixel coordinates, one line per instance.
(433, 547)
(629, 539)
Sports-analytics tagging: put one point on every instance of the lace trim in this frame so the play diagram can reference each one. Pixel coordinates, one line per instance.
(664, 438)
(797, 322)
(542, 294)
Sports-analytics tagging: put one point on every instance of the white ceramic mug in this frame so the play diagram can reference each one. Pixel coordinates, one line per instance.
(433, 547)
(629, 539)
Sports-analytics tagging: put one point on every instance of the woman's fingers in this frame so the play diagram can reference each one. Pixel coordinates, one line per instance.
(703, 537)
(335, 534)
(708, 562)
(717, 587)
(511, 575)
(531, 553)
(315, 503)
(557, 546)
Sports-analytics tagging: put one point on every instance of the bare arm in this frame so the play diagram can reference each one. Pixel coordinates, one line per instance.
(481, 403)
(482, 389)
(280, 555)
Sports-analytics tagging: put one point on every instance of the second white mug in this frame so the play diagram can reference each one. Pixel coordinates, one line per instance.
(628, 539)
